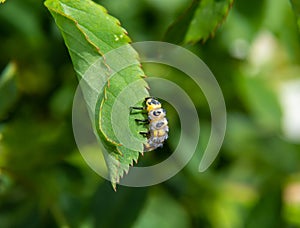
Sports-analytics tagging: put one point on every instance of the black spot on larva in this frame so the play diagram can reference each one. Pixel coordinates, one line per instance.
(156, 113)
(159, 124)
(154, 102)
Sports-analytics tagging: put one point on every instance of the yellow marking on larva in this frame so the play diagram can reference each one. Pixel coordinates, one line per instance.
(158, 133)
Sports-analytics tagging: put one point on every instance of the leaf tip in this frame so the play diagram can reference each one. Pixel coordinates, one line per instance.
(114, 186)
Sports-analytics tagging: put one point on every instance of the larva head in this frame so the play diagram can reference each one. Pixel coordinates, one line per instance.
(152, 104)
(157, 114)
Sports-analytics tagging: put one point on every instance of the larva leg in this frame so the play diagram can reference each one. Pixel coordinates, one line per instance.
(136, 108)
(142, 121)
(143, 133)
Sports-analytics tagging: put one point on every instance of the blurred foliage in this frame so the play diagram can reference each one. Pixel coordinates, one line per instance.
(199, 21)
(255, 181)
(296, 7)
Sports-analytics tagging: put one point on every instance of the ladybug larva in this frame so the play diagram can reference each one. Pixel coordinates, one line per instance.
(157, 122)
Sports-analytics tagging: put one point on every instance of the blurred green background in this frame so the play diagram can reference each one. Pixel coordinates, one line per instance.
(255, 181)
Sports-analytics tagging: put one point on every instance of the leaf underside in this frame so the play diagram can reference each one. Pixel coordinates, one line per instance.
(89, 34)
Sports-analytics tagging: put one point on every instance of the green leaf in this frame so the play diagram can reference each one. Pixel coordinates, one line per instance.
(208, 17)
(8, 89)
(90, 33)
(178, 29)
(262, 101)
(109, 209)
(27, 21)
(267, 211)
(159, 203)
(296, 8)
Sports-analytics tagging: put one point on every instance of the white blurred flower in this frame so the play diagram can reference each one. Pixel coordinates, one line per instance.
(290, 101)
(263, 49)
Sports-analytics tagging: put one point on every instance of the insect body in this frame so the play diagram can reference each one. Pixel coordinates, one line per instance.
(158, 124)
